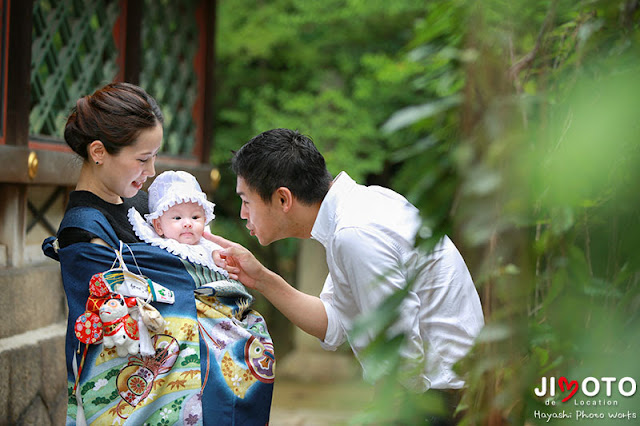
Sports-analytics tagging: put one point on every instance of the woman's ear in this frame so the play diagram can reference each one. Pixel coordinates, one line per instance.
(284, 198)
(96, 152)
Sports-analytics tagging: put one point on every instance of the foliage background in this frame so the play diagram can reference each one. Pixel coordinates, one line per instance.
(512, 125)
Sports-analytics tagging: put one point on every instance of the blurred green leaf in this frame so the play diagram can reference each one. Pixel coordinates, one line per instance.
(378, 321)
(512, 126)
(410, 115)
(494, 332)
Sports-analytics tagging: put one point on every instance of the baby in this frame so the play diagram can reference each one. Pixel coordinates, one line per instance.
(179, 213)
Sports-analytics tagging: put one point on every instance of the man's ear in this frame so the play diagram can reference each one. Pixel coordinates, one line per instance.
(96, 151)
(157, 226)
(284, 198)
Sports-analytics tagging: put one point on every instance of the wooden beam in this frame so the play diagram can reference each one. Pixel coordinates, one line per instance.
(63, 168)
(51, 167)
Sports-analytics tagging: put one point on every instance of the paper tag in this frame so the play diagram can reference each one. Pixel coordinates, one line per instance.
(134, 287)
(160, 293)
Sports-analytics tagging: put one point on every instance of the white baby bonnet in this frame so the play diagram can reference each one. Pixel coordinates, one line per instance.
(168, 189)
(171, 188)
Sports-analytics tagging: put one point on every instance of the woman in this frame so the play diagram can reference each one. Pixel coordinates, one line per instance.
(211, 359)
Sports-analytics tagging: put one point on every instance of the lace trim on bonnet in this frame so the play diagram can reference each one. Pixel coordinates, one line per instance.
(167, 202)
(197, 253)
(173, 187)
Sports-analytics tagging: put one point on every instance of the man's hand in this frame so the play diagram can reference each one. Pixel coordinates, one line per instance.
(305, 311)
(238, 261)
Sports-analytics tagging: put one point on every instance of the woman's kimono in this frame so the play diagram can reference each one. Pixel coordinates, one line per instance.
(213, 363)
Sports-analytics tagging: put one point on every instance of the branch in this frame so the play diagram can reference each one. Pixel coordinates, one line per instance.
(626, 17)
(528, 59)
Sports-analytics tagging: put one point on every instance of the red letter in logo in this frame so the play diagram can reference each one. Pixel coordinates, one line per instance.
(565, 385)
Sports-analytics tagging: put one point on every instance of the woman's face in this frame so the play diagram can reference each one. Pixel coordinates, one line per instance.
(122, 175)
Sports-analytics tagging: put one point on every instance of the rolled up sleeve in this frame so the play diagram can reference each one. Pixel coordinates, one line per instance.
(335, 335)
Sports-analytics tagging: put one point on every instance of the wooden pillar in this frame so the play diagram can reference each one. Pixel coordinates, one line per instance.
(13, 206)
(128, 37)
(18, 72)
(204, 64)
(13, 197)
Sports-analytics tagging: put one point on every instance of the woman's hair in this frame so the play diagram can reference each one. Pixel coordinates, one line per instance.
(114, 115)
(283, 157)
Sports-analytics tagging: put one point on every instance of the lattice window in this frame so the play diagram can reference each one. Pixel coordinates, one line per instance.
(169, 46)
(73, 53)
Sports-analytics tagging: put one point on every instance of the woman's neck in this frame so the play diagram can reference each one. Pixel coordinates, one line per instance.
(88, 181)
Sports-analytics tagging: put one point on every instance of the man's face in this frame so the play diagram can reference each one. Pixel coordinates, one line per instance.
(264, 220)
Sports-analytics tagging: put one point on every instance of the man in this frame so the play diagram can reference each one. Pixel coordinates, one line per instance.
(368, 234)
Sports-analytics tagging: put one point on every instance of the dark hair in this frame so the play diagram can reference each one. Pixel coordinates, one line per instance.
(283, 157)
(114, 114)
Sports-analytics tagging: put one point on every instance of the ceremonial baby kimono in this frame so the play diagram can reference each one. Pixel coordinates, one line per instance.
(154, 338)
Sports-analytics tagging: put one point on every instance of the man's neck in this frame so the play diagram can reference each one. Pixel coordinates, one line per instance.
(304, 219)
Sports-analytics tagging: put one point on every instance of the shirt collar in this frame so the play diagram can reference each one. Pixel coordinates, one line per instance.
(325, 224)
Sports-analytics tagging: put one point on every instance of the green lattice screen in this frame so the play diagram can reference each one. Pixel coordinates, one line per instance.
(169, 46)
(73, 53)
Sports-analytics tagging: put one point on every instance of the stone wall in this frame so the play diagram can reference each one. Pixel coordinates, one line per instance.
(32, 360)
(33, 313)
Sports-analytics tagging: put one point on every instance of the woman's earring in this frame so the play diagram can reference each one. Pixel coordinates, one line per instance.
(97, 162)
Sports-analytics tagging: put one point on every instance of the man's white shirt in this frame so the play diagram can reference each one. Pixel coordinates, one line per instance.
(369, 235)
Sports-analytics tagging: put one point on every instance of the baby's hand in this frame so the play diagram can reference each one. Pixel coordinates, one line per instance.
(237, 261)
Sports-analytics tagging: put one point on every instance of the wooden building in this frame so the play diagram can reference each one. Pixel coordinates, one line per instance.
(51, 53)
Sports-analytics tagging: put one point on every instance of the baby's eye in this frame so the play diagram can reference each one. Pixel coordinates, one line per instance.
(177, 218)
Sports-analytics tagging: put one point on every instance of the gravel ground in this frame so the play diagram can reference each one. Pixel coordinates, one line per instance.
(310, 404)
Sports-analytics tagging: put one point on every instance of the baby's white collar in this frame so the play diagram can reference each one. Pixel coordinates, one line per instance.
(197, 253)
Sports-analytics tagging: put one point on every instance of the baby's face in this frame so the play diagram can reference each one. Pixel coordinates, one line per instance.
(182, 222)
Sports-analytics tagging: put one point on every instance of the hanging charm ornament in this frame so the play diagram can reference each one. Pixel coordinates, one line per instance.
(88, 328)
